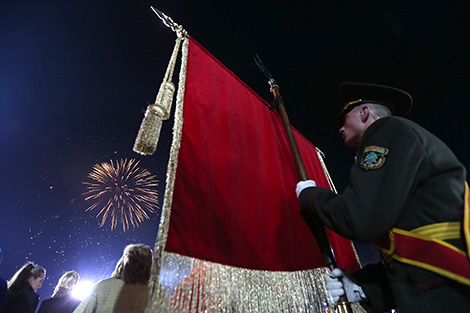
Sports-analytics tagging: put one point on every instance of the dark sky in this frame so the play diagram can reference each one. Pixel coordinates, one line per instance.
(76, 77)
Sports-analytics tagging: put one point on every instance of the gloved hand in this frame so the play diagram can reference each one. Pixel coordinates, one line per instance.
(336, 288)
(301, 185)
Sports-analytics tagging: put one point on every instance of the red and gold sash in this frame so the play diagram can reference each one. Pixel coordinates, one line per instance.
(425, 247)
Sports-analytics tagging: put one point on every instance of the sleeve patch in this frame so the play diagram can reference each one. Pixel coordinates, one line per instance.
(373, 157)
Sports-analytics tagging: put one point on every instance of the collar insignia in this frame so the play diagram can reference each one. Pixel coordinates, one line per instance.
(373, 157)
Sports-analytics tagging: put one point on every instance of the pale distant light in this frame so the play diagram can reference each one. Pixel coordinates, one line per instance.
(82, 289)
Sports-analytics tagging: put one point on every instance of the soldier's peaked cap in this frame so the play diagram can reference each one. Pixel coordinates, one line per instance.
(353, 94)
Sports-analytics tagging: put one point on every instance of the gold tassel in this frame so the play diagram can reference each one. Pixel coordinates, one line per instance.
(149, 132)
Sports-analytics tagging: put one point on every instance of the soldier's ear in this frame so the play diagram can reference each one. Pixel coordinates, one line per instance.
(364, 113)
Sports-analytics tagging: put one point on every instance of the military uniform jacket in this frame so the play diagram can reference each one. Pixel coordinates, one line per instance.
(403, 177)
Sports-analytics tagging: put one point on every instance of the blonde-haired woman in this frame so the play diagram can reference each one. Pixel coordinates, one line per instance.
(127, 289)
(62, 300)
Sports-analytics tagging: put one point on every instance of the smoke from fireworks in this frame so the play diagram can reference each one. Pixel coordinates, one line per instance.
(122, 192)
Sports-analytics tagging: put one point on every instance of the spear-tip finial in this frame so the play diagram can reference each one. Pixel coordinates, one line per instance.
(168, 21)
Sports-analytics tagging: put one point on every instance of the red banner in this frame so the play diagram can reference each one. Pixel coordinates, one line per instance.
(234, 200)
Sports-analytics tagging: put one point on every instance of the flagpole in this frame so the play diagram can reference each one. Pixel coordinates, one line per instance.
(278, 105)
(316, 226)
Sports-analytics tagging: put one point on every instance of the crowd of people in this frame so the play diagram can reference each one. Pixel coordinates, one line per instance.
(125, 291)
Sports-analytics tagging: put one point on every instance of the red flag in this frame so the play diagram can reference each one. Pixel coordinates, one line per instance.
(234, 198)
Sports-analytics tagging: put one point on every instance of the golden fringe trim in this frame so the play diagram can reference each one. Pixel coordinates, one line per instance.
(194, 285)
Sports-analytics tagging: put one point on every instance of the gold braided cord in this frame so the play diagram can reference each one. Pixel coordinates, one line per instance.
(173, 160)
(149, 132)
(321, 155)
(332, 186)
(165, 93)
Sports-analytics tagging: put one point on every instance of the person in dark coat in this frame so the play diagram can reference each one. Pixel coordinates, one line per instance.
(3, 292)
(62, 300)
(22, 288)
(408, 195)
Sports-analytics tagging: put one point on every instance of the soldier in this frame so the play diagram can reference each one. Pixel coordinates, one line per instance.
(407, 195)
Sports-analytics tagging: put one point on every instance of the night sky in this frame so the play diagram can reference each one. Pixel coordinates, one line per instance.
(76, 77)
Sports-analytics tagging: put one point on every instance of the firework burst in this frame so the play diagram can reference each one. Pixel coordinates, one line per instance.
(122, 192)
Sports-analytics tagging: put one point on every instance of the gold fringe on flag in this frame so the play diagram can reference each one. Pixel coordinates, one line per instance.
(192, 285)
(213, 287)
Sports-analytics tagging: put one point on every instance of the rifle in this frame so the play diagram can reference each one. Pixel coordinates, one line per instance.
(316, 226)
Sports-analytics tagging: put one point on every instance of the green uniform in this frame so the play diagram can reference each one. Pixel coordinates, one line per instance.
(404, 177)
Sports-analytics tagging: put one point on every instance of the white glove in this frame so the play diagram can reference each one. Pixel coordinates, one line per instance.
(301, 185)
(336, 287)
